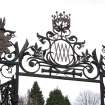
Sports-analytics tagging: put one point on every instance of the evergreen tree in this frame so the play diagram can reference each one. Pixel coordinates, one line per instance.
(66, 100)
(56, 98)
(35, 96)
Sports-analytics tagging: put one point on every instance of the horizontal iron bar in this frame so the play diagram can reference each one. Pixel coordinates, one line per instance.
(58, 77)
(70, 73)
(8, 62)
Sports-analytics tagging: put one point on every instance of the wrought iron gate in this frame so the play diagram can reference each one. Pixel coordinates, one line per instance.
(62, 59)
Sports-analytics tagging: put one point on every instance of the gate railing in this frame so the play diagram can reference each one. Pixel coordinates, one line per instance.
(8, 93)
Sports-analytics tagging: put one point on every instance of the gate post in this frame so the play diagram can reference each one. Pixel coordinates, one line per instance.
(102, 92)
(17, 83)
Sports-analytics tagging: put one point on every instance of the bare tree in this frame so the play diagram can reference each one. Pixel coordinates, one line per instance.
(88, 98)
(21, 101)
(28, 98)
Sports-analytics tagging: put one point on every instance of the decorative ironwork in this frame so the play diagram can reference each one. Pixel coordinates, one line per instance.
(4, 39)
(8, 51)
(8, 93)
(62, 55)
(61, 58)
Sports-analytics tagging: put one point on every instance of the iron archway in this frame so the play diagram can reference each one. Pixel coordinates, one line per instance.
(61, 57)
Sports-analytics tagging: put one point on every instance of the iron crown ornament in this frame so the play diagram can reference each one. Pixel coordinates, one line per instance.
(61, 57)
(61, 24)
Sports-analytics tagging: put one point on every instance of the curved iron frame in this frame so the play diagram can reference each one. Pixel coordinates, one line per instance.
(61, 60)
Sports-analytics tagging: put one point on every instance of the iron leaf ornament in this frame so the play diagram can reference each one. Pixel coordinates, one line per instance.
(4, 40)
(5, 37)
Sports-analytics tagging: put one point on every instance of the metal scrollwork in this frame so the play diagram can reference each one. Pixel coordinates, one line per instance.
(61, 57)
(31, 59)
(8, 51)
(7, 70)
(90, 65)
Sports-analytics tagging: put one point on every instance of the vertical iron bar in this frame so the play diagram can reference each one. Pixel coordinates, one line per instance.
(17, 82)
(0, 92)
(102, 89)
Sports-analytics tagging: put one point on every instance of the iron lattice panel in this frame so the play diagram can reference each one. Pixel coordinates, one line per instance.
(8, 93)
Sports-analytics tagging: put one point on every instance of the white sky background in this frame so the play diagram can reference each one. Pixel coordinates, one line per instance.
(27, 17)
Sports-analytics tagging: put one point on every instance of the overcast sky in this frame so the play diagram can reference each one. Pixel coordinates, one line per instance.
(27, 17)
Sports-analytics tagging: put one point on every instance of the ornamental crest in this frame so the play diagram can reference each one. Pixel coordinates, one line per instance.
(61, 56)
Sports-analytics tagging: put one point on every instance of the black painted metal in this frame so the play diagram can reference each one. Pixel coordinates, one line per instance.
(60, 59)
(8, 93)
(8, 66)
